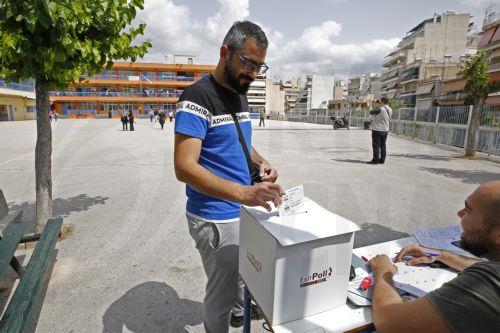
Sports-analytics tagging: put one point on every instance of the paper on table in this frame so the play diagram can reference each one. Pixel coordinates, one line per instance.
(440, 238)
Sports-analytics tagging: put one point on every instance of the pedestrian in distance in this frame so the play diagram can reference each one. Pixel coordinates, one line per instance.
(262, 116)
(131, 120)
(380, 129)
(151, 115)
(171, 116)
(124, 120)
(161, 119)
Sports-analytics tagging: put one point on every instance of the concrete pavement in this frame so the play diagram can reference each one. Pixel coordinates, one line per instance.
(130, 264)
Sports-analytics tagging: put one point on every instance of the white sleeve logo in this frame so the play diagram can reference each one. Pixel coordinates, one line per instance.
(195, 109)
(226, 119)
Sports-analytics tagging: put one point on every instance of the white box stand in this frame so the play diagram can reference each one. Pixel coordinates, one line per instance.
(295, 266)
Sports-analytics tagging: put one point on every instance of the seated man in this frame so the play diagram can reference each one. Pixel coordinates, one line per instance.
(468, 303)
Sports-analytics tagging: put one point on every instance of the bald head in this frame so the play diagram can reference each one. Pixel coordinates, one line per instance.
(489, 195)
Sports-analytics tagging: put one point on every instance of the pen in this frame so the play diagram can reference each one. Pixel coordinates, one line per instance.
(364, 258)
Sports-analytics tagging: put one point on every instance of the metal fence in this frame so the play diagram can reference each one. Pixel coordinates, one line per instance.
(443, 125)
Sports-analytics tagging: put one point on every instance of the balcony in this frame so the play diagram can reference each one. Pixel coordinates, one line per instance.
(393, 60)
(410, 79)
(149, 77)
(17, 86)
(113, 94)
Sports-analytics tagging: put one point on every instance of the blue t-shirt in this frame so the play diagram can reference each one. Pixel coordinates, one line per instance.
(204, 112)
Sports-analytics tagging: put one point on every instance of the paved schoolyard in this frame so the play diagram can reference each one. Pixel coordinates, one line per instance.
(130, 264)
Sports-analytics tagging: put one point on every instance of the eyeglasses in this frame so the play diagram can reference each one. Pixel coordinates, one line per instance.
(250, 66)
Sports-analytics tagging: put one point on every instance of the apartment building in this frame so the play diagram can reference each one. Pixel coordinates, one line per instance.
(291, 89)
(490, 42)
(362, 90)
(256, 95)
(428, 55)
(128, 86)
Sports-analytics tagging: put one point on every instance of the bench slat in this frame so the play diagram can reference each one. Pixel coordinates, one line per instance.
(8, 244)
(25, 299)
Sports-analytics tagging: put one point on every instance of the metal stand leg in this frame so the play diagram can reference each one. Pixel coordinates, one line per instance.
(246, 311)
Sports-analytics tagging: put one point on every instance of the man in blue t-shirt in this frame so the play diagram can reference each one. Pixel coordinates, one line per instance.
(210, 159)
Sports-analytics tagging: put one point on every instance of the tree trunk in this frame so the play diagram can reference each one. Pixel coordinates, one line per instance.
(43, 155)
(477, 111)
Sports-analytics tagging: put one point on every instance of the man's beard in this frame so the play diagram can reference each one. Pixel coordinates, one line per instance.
(234, 81)
(477, 242)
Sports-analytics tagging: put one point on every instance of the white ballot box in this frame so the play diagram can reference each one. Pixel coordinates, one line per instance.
(296, 265)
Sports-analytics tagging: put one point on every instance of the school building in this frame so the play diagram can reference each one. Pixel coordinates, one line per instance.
(17, 100)
(128, 86)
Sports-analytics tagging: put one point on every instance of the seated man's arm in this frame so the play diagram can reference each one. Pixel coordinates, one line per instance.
(391, 314)
(454, 261)
(187, 169)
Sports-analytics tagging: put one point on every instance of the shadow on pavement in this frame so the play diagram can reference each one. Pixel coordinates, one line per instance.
(351, 161)
(61, 207)
(467, 176)
(423, 157)
(152, 307)
(372, 233)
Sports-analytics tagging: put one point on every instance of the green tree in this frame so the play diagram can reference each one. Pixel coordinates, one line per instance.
(479, 85)
(54, 42)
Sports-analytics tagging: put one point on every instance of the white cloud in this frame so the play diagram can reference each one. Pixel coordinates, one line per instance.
(229, 12)
(315, 51)
(477, 3)
(172, 29)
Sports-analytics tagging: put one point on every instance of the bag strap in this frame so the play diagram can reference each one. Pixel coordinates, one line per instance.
(242, 142)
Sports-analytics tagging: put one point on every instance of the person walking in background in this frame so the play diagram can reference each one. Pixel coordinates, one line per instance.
(124, 121)
(131, 120)
(170, 116)
(262, 116)
(51, 115)
(151, 115)
(56, 115)
(161, 119)
(380, 128)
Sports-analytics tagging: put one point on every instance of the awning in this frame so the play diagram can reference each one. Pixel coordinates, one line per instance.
(496, 36)
(390, 95)
(452, 102)
(495, 76)
(493, 100)
(453, 85)
(391, 85)
(486, 37)
(425, 89)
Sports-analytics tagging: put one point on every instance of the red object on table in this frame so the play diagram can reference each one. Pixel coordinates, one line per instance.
(365, 283)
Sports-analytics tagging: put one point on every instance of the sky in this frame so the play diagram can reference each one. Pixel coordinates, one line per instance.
(341, 37)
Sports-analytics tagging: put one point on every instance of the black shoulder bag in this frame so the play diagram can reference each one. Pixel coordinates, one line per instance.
(253, 168)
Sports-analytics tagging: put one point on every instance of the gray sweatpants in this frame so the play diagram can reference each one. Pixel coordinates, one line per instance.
(218, 244)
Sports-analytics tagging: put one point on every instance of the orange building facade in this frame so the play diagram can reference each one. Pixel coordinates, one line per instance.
(128, 86)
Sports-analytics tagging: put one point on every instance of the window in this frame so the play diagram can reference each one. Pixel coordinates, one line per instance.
(190, 61)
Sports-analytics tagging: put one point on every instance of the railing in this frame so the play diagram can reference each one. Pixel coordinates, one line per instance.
(17, 86)
(114, 94)
(443, 125)
(143, 79)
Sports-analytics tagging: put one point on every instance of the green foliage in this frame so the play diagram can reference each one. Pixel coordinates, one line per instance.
(475, 72)
(58, 40)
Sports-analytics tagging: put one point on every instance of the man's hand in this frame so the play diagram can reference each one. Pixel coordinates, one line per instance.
(267, 172)
(381, 264)
(420, 253)
(260, 193)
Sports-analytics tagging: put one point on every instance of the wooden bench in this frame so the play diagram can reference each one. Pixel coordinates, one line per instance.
(21, 313)
(5, 220)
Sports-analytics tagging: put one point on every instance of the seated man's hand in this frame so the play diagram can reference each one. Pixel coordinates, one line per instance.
(381, 264)
(268, 173)
(420, 254)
